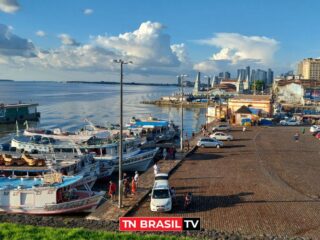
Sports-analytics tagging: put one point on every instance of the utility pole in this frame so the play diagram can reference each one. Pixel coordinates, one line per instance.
(121, 62)
(182, 76)
(207, 112)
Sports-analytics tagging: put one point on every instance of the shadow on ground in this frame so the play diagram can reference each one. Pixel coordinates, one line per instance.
(205, 203)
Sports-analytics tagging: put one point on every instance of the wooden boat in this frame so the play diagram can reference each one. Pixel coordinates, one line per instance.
(52, 194)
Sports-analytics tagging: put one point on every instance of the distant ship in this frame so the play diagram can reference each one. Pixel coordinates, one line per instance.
(18, 112)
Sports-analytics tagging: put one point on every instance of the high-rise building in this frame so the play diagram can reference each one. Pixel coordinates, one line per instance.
(261, 75)
(241, 73)
(248, 73)
(253, 75)
(227, 75)
(309, 68)
(270, 77)
(224, 75)
(197, 84)
(179, 81)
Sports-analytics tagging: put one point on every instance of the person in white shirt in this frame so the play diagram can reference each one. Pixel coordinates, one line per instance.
(156, 169)
(136, 178)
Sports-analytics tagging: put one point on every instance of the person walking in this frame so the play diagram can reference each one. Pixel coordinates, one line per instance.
(303, 130)
(112, 191)
(296, 137)
(165, 154)
(126, 187)
(136, 178)
(156, 169)
(133, 187)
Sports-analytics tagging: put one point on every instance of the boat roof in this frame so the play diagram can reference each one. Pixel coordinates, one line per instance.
(161, 123)
(30, 182)
(15, 105)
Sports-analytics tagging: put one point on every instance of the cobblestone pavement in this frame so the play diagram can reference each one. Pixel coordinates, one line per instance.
(263, 182)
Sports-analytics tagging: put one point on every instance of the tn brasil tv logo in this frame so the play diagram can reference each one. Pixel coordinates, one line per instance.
(158, 224)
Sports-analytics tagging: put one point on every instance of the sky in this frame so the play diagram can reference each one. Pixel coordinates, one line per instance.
(78, 39)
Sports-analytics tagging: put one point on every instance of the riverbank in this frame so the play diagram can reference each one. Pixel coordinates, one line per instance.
(178, 104)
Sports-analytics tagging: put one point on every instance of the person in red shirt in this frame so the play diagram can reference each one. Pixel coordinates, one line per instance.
(112, 190)
(133, 187)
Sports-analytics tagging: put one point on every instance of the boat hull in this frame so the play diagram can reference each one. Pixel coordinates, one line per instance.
(82, 205)
(138, 162)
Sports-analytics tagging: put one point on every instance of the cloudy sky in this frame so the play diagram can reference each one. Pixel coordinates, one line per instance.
(78, 39)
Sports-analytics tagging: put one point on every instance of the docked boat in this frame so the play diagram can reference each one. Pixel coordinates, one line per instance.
(153, 129)
(104, 150)
(24, 164)
(18, 112)
(48, 195)
(84, 134)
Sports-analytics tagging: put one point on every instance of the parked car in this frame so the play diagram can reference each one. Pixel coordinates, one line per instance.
(315, 128)
(318, 135)
(209, 142)
(221, 127)
(221, 136)
(290, 122)
(161, 199)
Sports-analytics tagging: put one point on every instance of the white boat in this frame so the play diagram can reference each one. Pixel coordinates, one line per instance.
(104, 150)
(153, 128)
(52, 194)
(84, 134)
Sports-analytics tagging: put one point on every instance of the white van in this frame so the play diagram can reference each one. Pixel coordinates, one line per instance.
(161, 199)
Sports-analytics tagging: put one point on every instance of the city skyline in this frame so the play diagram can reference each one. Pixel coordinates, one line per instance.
(77, 40)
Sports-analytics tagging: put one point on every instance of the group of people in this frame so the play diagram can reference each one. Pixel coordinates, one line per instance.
(169, 153)
(129, 186)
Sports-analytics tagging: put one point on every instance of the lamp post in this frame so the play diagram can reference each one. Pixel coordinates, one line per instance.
(182, 76)
(121, 62)
(208, 77)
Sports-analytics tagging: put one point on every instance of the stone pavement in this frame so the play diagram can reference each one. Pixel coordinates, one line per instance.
(110, 211)
(262, 183)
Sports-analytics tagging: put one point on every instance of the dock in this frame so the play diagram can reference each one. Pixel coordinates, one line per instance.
(109, 211)
(177, 104)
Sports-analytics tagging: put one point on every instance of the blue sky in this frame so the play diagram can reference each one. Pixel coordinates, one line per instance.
(163, 38)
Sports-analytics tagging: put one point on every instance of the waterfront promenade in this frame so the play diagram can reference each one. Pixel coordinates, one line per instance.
(262, 183)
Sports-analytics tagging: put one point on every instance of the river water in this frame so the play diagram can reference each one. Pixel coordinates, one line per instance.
(66, 105)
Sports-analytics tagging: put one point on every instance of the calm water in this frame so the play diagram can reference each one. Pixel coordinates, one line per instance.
(66, 105)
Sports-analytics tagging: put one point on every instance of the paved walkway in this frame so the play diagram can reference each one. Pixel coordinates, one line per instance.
(110, 211)
(262, 183)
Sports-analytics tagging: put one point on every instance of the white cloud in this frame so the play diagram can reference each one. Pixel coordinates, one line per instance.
(9, 6)
(13, 45)
(87, 11)
(40, 33)
(147, 46)
(238, 51)
(68, 40)
(236, 47)
(181, 52)
(86, 57)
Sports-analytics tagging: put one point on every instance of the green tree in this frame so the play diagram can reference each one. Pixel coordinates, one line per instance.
(259, 85)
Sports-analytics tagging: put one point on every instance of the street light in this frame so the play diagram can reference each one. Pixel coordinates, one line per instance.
(181, 76)
(207, 112)
(121, 62)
